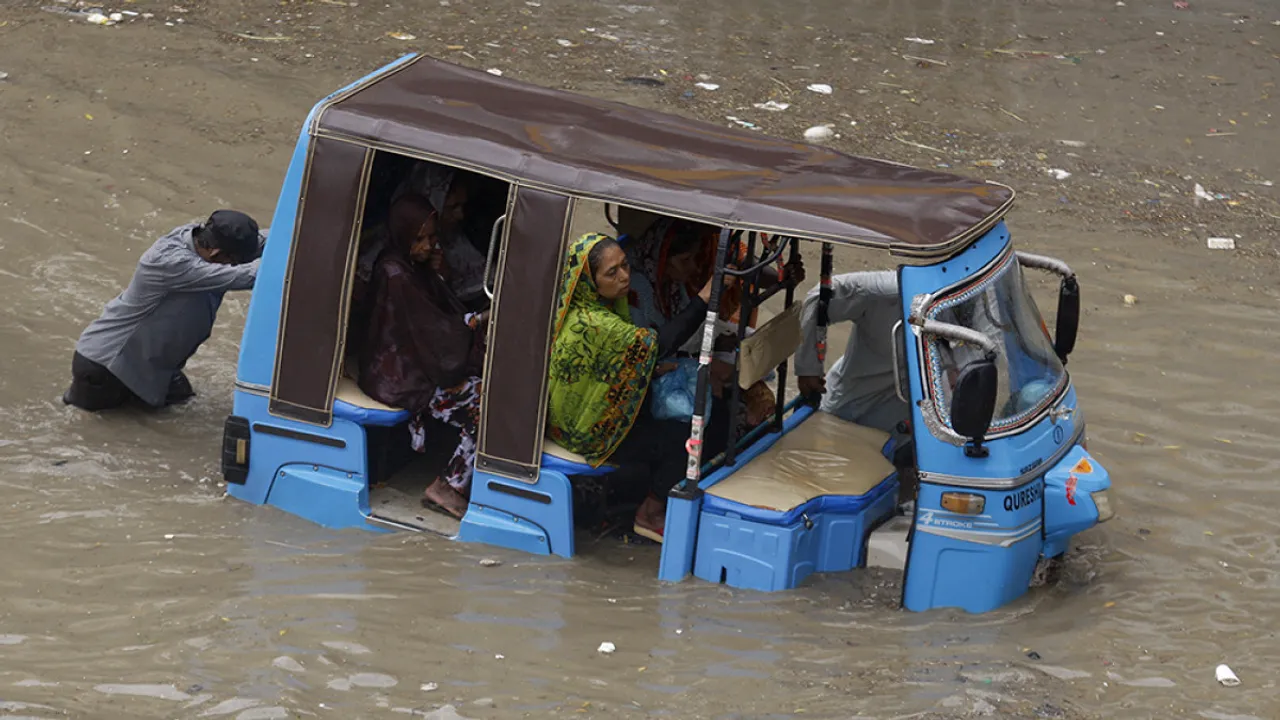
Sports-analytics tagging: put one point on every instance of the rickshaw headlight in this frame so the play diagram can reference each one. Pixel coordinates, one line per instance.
(1103, 502)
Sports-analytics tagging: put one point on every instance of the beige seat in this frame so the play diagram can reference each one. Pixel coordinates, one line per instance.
(823, 456)
(554, 449)
(350, 393)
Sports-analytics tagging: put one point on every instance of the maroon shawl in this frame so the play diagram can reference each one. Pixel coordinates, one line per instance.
(417, 339)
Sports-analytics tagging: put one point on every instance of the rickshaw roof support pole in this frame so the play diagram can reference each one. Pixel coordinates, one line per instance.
(824, 305)
(688, 488)
(1045, 263)
(748, 288)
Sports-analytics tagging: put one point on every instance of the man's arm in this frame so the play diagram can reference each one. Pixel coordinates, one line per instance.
(851, 295)
(192, 274)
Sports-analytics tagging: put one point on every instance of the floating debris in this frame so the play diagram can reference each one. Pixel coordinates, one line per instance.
(643, 81)
(1059, 173)
(606, 648)
(1073, 143)
(819, 133)
(1130, 300)
(397, 35)
(494, 71)
(564, 43)
(739, 121)
(490, 562)
(922, 146)
(988, 163)
(919, 41)
(270, 38)
(924, 61)
(1226, 676)
(820, 88)
(707, 86)
(1221, 243)
(772, 106)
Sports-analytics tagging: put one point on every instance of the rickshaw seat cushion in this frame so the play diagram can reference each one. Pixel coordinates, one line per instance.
(351, 403)
(555, 457)
(824, 464)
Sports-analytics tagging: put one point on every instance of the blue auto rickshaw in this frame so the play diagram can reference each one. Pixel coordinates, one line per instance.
(997, 439)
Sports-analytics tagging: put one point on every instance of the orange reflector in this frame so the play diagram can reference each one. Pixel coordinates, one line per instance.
(963, 503)
(1084, 467)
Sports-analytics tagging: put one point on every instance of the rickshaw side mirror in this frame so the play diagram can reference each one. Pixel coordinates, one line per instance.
(973, 402)
(1068, 317)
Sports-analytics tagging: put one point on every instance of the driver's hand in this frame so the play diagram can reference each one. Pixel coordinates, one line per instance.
(811, 386)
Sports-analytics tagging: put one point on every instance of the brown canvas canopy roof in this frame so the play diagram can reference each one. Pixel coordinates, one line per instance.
(584, 147)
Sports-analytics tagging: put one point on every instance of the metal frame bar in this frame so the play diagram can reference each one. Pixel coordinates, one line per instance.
(688, 488)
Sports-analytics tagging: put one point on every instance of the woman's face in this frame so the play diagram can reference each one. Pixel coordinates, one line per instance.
(613, 274)
(425, 242)
(683, 268)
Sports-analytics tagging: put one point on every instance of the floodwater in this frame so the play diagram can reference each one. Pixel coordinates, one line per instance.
(133, 589)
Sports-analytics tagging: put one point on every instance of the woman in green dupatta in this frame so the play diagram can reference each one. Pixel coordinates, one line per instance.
(601, 365)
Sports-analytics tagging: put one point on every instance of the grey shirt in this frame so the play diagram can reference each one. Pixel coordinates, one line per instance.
(147, 333)
(860, 386)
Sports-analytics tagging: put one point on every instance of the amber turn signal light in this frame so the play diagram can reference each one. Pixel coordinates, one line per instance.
(963, 503)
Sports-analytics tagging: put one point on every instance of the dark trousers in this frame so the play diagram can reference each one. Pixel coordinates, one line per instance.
(94, 388)
(658, 446)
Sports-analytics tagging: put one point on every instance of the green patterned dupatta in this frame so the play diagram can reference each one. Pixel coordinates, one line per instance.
(600, 364)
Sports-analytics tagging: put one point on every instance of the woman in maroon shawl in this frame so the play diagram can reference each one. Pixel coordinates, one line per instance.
(424, 352)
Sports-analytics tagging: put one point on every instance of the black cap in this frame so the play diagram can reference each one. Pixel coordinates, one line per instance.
(234, 233)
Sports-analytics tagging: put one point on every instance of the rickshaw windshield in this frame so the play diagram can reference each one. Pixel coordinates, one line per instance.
(998, 305)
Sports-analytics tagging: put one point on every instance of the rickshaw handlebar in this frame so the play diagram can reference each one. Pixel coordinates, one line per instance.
(955, 332)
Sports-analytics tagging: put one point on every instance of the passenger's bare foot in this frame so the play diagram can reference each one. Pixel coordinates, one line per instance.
(440, 495)
(651, 519)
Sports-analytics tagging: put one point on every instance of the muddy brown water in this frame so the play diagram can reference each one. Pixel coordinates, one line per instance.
(132, 589)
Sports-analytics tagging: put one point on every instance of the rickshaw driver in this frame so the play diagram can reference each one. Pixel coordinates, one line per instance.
(860, 387)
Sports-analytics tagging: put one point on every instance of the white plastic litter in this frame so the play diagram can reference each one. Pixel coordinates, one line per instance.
(919, 41)
(1059, 173)
(564, 43)
(820, 88)
(1073, 143)
(98, 19)
(606, 648)
(1226, 677)
(772, 106)
(1202, 194)
(818, 133)
(494, 71)
(707, 86)
(1222, 244)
